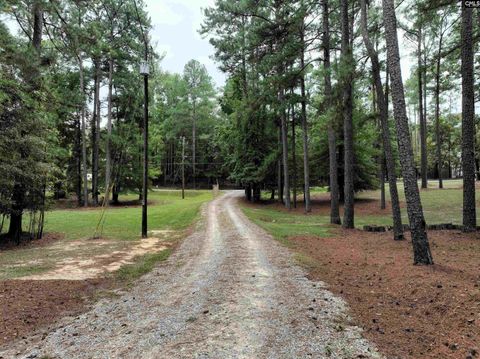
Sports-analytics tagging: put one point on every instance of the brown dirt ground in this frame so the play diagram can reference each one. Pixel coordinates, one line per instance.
(408, 311)
(46, 240)
(96, 265)
(30, 306)
(34, 306)
(72, 204)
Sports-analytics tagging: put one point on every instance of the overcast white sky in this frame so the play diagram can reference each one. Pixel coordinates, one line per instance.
(175, 32)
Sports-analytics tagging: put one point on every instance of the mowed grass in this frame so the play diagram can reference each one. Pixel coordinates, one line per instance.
(167, 211)
(121, 230)
(141, 266)
(439, 205)
(282, 225)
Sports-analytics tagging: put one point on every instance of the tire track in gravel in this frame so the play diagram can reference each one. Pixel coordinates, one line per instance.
(229, 291)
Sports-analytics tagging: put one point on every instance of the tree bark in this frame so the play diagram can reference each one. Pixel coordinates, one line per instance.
(194, 143)
(332, 146)
(421, 248)
(423, 121)
(16, 217)
(256, 193)
(283, 119)
(468, 123)
(294, 160)
(383, 202)
(95, 132)
(348, 216)
(387, 145)
(109, 132)
(381, 154)
(438, 146)
(279, 167)
(78, 160)
(84, 133)
(306, 165)
(248, 192)
(115, 195)
(37, 25)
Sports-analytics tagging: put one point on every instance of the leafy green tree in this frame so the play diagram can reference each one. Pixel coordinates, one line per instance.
(199, 96)
(23, 127)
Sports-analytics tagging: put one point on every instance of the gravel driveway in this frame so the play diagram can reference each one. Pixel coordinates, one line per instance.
(229, 291)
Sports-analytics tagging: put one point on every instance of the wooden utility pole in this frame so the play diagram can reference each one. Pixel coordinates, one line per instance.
(183, 167)
(145, 71)
(194, 143)
(145, 149)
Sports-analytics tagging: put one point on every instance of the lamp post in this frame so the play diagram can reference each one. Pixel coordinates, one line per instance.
(145, 70)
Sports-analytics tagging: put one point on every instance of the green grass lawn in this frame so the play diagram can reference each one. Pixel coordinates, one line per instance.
(168, 211)
(440, 206)
(122, 229)
(283, 225)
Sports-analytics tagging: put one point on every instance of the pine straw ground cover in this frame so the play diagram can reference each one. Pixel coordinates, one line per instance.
(407, 311)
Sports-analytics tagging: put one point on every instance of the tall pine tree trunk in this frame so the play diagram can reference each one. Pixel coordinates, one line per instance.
(194, 144)
(294, 159)
(95, 131)
(348, 217)
(438, 146)
(279, 166)
(37, 11)
(381, 155)
(381, 171)
(283, 123)
(332, 145)
(421, 248)
(84, 133)
(78, 159)
(16, 216)
(423, 120)
(468, 123)
(383, 109)
(306, 166)
(108, 155)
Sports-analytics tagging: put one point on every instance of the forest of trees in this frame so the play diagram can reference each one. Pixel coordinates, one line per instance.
(316, 88)
(57, 127)
(315, 96)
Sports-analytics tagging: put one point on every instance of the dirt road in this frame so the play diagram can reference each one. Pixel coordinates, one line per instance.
(229, 291)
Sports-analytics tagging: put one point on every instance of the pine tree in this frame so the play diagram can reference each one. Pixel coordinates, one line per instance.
(383, 110)
(421, 248)
(468, 122)
(347, 67)
(332, 146)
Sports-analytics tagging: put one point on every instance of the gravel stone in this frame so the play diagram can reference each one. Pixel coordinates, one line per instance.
(212, 268)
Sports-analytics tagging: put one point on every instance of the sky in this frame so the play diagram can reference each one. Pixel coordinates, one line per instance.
(175, 33)
(175, 36)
